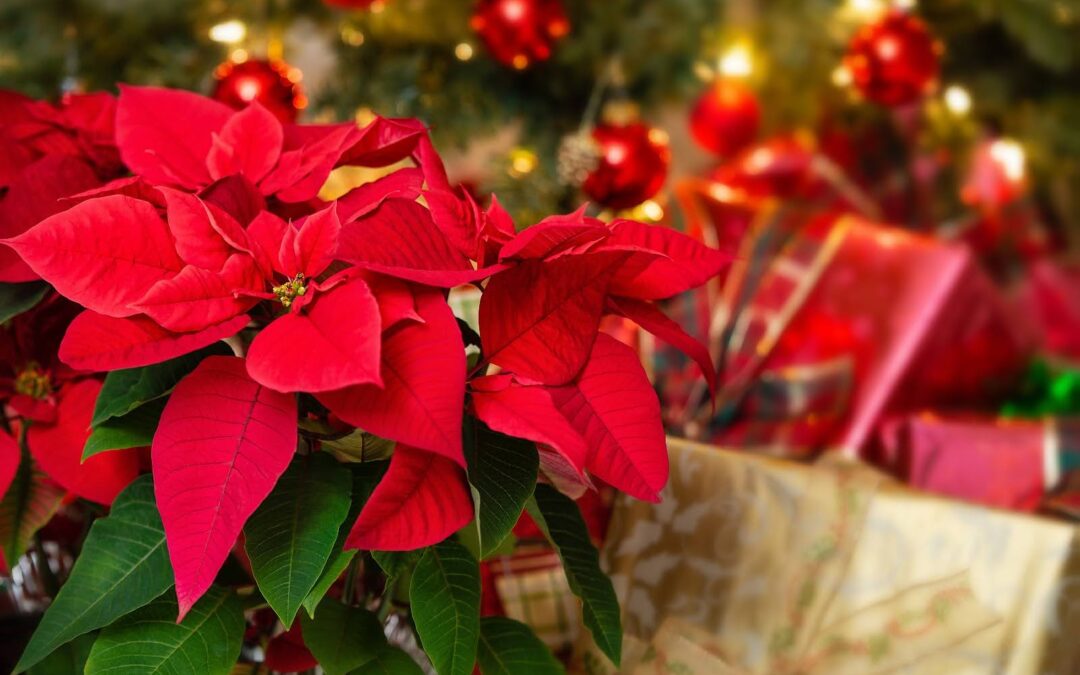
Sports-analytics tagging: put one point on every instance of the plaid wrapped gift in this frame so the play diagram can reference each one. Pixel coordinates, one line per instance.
(827, 323)
(533, 589)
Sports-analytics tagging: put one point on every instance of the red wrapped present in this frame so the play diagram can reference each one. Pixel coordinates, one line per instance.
(1049, 296)
(1000, 462)
(828, 323)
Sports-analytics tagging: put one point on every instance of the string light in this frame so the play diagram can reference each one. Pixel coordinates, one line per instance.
(352, 36)
(865, 10)
(652, 210)
(228, 32)
(736, 61)
(1009, 155)
(522, 162)
(957, 100)
(463, 51)
(841, 76)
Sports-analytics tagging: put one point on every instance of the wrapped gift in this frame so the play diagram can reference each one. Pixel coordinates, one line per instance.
(1008, 463)
(532, 588)
(1049, 297)
(829, 323)
(753, 565)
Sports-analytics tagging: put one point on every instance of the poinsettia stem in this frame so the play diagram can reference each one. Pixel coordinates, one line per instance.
(478, 369)
(349, 587)
(49, 583)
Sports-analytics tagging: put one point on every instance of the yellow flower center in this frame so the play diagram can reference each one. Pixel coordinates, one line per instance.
(287, 292)
(33, 382)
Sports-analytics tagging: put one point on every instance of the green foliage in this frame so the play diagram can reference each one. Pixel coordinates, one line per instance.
(364, 479)
(123, 565)
(18, 298)
(445, 598)
(343, 638)
(396, 563)
(502, 474)
(133, 430)
(508, 647)
(29, 503)
(149, 641)
(390, 661)
(125, 390)
(68, 659)
(291, 535)
(558, 516)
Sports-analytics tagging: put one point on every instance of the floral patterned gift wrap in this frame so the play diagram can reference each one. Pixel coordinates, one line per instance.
(752, 565)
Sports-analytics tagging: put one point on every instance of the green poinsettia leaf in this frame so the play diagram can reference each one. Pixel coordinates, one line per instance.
(68, 659)
(124, 564)
(364, 479)
(445, 598)
(395, 563)
(291, 535)
(29, 503)
(149, 641)
(359, 446)
(125, 390)
(502, 474)
(508, 647)
(390, 661)
(18, 298)
(343, 638)
(133, 430)
(560, 519)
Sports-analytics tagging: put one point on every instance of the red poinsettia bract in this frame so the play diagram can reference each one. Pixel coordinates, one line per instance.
(53, 405)
(220, 234)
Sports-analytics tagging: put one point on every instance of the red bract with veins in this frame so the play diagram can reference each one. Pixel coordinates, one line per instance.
(47, 153)
(338, 309)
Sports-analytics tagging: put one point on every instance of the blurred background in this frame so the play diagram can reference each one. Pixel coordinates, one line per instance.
(505, 84)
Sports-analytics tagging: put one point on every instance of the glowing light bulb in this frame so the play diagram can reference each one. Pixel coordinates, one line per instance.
(228, 32)
(957, 100)
(841, 76)
(522, 162)
(463, 51)
(652, 210)
(736, 61)
(865, 10)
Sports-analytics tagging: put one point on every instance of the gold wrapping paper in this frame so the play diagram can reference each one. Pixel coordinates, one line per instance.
(758, 566)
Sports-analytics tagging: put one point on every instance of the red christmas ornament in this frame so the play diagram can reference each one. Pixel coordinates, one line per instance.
(894, 60)
(520, 32)
(726, 117)
(274, 84)
(632, 166)
(779, 168)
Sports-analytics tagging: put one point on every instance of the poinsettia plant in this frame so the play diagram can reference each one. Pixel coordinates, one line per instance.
(325, 434)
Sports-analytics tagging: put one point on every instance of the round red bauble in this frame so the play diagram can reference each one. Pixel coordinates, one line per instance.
(274, 84)
(632, 165)
(777, 168)
(894, 60)
(520, 32)
(726, 117)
